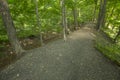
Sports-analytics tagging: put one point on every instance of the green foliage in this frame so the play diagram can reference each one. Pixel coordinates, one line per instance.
(112, 19)
(86, 13)
(3, 34)
(3, 38)
(24, 16)
(110, 50)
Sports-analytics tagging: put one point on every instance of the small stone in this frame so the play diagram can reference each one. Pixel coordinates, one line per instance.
(18, 75)
(60, 55)
(58, 58)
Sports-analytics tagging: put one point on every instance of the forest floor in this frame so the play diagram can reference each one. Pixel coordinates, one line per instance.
(75, 59)
(7, 56)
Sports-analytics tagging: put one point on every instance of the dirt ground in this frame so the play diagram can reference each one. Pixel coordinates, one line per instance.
(75, 59)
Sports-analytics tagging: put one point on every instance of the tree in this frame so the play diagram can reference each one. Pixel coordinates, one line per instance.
(9, 26)
(38, 21)
(101, 16)
(64, 19)
(74, 9)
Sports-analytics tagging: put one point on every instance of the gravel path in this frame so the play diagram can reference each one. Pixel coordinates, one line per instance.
(75, 59)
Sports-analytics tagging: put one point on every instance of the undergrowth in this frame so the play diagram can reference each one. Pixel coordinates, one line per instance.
(110, 50)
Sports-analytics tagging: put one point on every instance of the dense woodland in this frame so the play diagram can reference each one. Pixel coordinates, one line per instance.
(25, 23)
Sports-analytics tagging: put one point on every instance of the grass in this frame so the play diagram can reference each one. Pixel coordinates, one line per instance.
(110, 50)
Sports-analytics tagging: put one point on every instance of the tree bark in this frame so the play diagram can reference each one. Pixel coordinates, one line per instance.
(10, 28)
(38, 21)
(64, 24)
(74, 9)
(75, 17)
(101, 16)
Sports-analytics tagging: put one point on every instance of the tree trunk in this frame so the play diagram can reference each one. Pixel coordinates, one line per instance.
(103, 13)
(64, 19)
(74, 9)
(38, 21)
(9, 26)
(101, 16)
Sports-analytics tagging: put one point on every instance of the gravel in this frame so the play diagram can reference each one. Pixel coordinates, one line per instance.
(75, 59)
